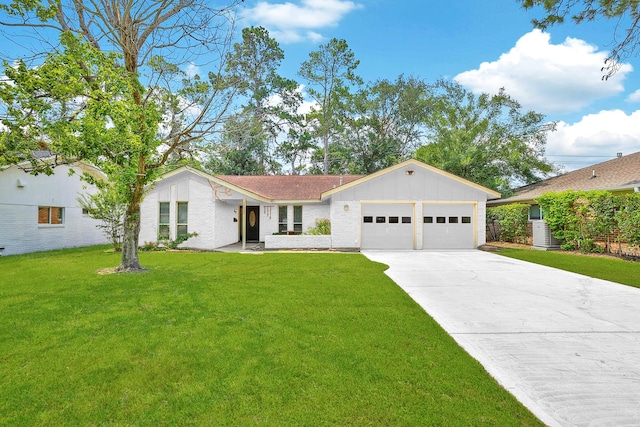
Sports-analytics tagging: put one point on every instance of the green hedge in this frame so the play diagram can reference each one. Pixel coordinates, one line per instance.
(513, 220)
(578, 218)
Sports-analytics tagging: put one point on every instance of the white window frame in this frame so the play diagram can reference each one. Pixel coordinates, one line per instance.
(50, 210)
(297, 224)
(182, 222)
(164, 225)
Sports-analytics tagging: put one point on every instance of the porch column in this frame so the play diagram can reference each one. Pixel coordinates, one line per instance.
(244, 224)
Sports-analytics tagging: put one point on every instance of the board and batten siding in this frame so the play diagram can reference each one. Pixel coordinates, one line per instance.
(422, 185)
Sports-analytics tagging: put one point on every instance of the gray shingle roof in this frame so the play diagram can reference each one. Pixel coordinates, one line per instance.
(619, 174)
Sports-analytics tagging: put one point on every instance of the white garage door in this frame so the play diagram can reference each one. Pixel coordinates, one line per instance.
(387, 226)
(448, 226)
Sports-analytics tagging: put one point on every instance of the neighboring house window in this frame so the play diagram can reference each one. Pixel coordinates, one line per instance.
(297, 219)
(282, 219)
(181, 229)
(535, 212)
(50, 215)
(163, 220)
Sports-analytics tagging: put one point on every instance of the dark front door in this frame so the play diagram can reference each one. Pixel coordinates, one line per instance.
(252, 220)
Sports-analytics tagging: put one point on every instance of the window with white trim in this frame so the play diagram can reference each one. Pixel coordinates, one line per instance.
(163, 220)
(535, 212)
(182, 219)
(50, 215)
(282, 219)
(297, 219)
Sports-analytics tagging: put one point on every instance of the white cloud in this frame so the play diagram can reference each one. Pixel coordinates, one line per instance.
(603, 134)
(545, 77)
(293, 22)
(191, 70)
(634, 97)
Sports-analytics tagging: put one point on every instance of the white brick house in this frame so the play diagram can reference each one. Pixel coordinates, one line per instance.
(40, 212)
(407, 206)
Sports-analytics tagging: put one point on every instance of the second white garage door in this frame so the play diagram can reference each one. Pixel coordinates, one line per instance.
(387, 226)
(448, 226)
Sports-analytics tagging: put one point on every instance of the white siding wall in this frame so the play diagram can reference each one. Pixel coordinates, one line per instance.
(19, 228)
(345, 224)
(201, 210)
(149, 218)
(482, 220)
(226, 229)
(309, 215)
(269, 220)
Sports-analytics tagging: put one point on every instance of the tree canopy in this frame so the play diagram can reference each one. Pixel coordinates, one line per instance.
(114, 90)
(486, 139)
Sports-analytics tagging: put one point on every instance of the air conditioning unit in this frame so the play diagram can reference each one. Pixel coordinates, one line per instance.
(542, 237)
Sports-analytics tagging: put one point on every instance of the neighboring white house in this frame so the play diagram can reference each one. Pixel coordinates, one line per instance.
(407, 206)
(40, 212)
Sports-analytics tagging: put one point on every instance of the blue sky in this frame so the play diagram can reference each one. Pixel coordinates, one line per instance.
(484, 45)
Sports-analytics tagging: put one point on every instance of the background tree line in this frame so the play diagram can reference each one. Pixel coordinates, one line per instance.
(358, 128)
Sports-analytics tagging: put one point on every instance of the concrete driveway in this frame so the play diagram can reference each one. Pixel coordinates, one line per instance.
(567, 346)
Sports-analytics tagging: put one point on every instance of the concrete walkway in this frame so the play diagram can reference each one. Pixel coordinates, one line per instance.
(567, 346)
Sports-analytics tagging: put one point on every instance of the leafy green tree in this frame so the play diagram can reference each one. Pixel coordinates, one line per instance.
(241, 150)
(625, 12)
(484, 138)
(296, 147)
(113, 91)
(329, 73)
(271, 100)
(107, 206)
(383, 127)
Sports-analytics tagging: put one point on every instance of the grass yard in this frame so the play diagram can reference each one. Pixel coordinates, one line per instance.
(229, 339)
(600, 267)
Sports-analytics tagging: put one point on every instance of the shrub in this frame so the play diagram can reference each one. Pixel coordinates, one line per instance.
(164, 243)
(628, 219)
(513, 220)
(322, 227)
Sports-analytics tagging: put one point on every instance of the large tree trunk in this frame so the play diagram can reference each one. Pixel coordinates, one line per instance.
(130, 262)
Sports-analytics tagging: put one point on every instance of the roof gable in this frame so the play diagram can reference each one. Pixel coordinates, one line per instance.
(413, 163)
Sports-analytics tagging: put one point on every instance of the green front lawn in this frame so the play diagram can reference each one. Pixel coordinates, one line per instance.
(600, 267)
(229, 339)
